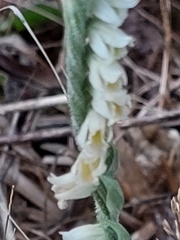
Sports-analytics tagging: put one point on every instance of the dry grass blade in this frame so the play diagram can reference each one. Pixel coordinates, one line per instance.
(145, 233)
(175, 207)
(157, 118)
(9, 212)
(6, 226)
(15, 224)
(30, 191)
(16, 11)
(165, 75)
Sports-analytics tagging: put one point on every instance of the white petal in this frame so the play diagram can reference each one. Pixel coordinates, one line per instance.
(109, 79)
(108, 42)
(94, 76)
(123, 3)
(108, 14)
(62, 204)
(100, 105)
(65, 181)
(113, 72)
(110, 110)
(98, 45)
(117, 53)
(68, 187)
(123, 14)
(79, 191)
(103, 73)
(93, 124)
(88, 232)
(116, 94)
(112, 36)
(124, 111)
(91, 165)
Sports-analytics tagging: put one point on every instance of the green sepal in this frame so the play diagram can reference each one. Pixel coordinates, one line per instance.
(112, 161)
(116, 231)
(102, 211)
(113, 196)
(109, 197)
(111, 233)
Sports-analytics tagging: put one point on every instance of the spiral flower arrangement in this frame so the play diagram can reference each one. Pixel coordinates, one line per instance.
(97, 99)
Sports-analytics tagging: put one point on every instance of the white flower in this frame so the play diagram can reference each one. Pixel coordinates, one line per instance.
(105, 76)
(82, 179)
(107, 13)
(123, 3)
(103, 36)
(93, 131)
(110, 99)
(88, 232)
(118, 53)
(90, 163)
(113, 111)
(68, 187)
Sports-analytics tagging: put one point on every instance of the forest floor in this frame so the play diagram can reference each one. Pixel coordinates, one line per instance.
(36, 136)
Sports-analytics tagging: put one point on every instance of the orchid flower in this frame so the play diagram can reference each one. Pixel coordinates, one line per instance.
(122, 3)
(88, 232)
(107, 13)
(82, 179)
(93, 38)
(110, 98)
(93, 132)
(102, 37)
(103, 74)
(112, 111)
(70, 187)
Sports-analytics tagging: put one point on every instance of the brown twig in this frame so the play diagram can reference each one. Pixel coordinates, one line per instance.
(33, 104)
(165, 72)
(9, 211)
(36, 135)
(157, 23)
(146, 232)
(158, 118)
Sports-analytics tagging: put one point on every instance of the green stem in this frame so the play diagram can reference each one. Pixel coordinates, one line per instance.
(76, 17)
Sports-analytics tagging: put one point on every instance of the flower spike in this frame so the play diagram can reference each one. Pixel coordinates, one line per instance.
(98, 99)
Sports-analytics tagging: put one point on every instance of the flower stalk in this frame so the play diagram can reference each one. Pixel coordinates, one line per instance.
(97, 100)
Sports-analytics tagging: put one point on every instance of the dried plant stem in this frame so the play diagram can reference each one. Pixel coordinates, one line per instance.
(16, 225)
(36, 135)
(157, 23)
(158, 118)
(9, 211)
(165, 72)
(33, 104)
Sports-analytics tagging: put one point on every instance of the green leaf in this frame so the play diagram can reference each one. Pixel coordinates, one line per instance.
(111, 233)
(116, 231)
(112, 161)
(109, 197)
(2, 78)
(113, 199)
(102, 212)
(41, 14)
